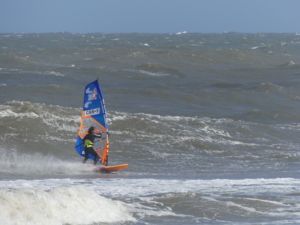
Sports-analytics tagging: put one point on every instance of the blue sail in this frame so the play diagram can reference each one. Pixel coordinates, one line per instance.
(93, 114)
(93, 103)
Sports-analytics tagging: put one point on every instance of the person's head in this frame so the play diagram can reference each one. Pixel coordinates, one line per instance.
(91, 130)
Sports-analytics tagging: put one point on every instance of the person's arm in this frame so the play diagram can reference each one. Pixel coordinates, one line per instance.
(98, 135)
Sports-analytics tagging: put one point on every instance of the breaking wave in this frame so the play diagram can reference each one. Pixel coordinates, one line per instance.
(60, 205)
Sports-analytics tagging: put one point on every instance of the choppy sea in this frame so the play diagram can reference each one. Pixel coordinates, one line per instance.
(208, 123)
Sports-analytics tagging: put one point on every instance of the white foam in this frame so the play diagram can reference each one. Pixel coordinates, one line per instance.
(59, 205)
(181, 32)
(142, 210)
(70, 195)
(52, 115)
(158, 118)
(257, 47)
(45, 73)
(292, 126)
(61, 123)
(291, 63)
(266, 201)
(188, 128)
(235, 205)
(154, 74)
(142, 187)
(10, 69)
(13, 162)
(4, 113)
(54, 73)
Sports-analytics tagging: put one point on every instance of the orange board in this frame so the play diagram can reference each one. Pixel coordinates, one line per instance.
(109, 169)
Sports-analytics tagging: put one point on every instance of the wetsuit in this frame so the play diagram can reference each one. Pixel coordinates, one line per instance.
(88, 141)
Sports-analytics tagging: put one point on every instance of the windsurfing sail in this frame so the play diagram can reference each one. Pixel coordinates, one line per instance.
(93, 114)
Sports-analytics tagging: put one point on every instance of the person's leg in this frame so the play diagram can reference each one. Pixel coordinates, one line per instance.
(96, 158)
(87, 151)
(85, 155)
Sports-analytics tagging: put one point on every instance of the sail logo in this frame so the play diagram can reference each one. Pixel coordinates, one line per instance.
(87, 104)
(92, 112)
(92, 94)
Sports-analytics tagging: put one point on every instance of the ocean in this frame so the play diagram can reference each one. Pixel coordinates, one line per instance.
(208, 123)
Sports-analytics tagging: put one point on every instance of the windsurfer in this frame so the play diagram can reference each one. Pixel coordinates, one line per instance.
(88, 141)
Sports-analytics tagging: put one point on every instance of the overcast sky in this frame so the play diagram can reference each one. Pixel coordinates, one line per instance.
(154, 16)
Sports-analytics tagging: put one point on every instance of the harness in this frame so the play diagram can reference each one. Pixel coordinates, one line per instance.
(88, 143)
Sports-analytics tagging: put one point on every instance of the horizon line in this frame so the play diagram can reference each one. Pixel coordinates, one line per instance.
(170, 33)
